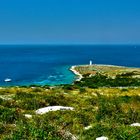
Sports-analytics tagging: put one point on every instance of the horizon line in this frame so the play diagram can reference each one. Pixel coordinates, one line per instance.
(58, 44)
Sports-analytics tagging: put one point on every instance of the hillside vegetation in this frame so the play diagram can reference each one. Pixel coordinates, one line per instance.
(101, 110)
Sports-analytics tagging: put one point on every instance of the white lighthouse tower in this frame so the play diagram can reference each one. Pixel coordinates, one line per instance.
(90, 62)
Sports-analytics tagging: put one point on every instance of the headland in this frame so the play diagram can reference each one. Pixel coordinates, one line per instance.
(110, 70)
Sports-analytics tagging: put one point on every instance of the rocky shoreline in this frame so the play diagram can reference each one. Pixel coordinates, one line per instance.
(76, 73)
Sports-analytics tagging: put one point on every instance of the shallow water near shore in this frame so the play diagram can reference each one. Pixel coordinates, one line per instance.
(49, 64)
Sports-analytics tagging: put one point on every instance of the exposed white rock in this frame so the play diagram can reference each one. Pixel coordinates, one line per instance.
(69, 136)
(93, 93)
(14, 125)
(88, 127)
(52, 108)
(4, 97)
(28, 116)
(135, 124)
(101, 93)
(102, 138)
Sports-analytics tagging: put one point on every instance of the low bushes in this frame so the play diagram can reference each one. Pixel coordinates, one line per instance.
(110, 112)
(100, 80)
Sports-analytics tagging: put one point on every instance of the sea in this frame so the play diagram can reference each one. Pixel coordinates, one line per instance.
(49, 64)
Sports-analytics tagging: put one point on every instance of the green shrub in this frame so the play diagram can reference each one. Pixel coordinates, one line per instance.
(9, 115)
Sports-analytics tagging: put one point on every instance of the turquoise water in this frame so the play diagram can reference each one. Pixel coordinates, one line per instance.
(44, 64)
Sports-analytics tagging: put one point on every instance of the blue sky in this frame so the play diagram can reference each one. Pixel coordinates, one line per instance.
(69, 21)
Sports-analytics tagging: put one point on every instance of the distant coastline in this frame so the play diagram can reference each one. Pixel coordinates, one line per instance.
(76, 73)
(111, 68)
